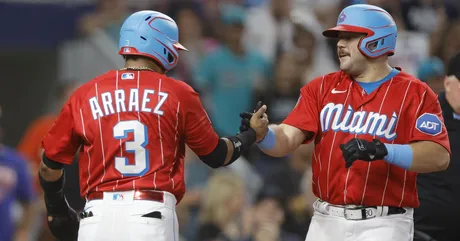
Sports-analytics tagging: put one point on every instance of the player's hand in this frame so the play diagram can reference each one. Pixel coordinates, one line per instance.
(359, 149)
(63, 221)
(246, 117)
(452, 86)
(257, 121)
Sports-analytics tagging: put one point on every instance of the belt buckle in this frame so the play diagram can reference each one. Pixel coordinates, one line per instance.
(366, 213)
(345, 215)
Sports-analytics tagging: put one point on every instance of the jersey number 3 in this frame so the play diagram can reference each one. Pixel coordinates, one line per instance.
(137, 146)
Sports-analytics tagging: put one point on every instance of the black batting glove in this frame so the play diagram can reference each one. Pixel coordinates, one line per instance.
(246, 117)
(359, 149)
(63, 221)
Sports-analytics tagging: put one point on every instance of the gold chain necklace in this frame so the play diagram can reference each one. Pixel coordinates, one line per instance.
(138, 68)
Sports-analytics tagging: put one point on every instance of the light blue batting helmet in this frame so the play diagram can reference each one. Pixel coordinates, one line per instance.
(151, 34)
(378, 25)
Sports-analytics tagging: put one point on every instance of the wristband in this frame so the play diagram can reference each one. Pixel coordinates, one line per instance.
(399, 155)
(269, 140)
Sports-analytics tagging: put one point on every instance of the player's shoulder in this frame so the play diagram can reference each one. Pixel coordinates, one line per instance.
(182, 88)
(324, 81)
(417, 87)
(85, 87)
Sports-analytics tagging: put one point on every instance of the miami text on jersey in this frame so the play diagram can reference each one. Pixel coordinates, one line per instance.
(138, 100)
(333, 116)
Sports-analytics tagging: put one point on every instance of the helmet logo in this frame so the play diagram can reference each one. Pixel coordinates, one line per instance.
(342, 17)
(127, 50)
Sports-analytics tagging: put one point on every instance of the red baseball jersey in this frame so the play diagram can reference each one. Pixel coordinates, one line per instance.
(130, 128)
(336, 109)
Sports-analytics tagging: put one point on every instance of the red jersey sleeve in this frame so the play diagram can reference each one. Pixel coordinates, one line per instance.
(429, 124)
(305, 114)
(62, 142)
(199, 133)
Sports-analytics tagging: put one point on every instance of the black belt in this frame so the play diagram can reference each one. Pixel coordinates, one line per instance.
(395, 210)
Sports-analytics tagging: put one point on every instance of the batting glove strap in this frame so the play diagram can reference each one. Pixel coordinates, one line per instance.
(380, 150)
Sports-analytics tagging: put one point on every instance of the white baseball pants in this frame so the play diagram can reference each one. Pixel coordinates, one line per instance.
(118, 217)
(329, 224)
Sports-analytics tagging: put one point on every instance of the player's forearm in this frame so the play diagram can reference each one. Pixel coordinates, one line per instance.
(420, 157)
(49, 174)
(52, 179)
(229, 149)
(429, 157)
(283, 143)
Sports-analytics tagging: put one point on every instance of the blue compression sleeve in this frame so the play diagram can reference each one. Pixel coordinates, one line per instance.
(399, 155)
(269, 140)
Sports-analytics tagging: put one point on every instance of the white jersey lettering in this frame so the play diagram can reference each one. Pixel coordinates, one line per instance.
(121, 101)
(335, 117)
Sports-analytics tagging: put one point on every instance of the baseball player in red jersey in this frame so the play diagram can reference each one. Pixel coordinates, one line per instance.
(374, 128)
(130, 127)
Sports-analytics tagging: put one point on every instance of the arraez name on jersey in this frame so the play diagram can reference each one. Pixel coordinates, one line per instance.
(429, 124)
(336, 117)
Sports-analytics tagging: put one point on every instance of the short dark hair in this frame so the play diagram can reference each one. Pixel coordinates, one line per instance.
(453, 67)
(136, 57)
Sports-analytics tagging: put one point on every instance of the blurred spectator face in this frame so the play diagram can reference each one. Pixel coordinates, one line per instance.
(189, 24)
(234, 33)
(233, 18)
(351, 59)
(269, 209)
(223, 199)
(304, 39)
(286, 73)
(281, 8)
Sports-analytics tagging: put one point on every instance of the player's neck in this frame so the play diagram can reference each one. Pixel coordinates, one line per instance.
(141, 63)
(374, 72)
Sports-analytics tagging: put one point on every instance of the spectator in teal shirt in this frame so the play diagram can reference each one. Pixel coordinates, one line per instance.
(230, 76)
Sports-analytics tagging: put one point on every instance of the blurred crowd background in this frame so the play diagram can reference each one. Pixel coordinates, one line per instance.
(241, 51)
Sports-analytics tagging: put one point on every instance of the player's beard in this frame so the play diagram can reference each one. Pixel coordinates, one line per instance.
(352, 65)
(346, 63)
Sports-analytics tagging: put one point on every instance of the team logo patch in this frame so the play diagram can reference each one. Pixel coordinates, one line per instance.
(429, 124)
(342, 17)
(127, 76)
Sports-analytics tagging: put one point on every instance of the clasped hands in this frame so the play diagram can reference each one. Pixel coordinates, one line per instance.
(257, 120)
(355, 149)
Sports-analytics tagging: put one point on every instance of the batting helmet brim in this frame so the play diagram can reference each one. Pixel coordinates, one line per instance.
(334, 32)
(180, 46)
